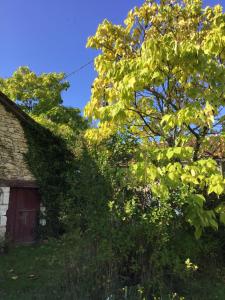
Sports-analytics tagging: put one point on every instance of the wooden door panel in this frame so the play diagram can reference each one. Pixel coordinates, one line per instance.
(22, 214)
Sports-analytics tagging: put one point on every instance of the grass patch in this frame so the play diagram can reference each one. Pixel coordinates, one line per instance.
(26, 269)
(70, 269)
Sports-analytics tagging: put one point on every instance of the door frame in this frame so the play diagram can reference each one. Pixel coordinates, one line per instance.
(12, 215)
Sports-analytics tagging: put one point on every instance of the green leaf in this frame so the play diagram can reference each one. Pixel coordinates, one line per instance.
(222, 217)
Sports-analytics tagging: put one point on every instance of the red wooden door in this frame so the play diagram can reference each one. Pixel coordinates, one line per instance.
(24, 205)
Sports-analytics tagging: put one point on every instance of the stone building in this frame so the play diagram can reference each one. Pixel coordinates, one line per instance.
(19, 197)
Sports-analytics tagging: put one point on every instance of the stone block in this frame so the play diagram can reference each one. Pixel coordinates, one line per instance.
(2, 232)
(3, 210)
(42, 208)
(3, 220)
(4, 195)
(42, 222)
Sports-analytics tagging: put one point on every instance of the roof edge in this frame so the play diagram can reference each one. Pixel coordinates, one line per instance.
(15, 109)
(18, 183)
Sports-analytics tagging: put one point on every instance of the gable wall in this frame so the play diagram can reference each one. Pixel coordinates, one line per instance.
(13, 146)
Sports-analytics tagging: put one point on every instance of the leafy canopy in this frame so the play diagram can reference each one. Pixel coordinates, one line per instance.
(41, 97)
(161, 77)
(34, 93)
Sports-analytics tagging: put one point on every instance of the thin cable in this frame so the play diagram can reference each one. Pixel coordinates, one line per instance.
(79, 69)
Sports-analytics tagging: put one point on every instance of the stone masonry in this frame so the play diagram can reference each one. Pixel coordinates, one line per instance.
(13, 146)
(13, 166)
(4, 202)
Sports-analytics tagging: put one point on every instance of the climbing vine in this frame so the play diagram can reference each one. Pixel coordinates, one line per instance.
(54, 168)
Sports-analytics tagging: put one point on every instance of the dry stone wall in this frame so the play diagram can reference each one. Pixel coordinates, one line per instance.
(13, 146)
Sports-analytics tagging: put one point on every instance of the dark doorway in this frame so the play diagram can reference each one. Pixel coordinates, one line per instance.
(22, 215)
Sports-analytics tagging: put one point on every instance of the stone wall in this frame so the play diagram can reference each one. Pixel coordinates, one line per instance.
(13, 146)
(4, 203)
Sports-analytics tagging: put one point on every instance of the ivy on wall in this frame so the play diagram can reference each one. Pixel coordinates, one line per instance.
(72, 188)
(54, 167)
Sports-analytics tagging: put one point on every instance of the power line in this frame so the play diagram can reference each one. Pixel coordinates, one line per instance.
(79, 69)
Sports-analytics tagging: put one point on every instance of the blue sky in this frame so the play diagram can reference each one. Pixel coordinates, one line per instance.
(50, 36)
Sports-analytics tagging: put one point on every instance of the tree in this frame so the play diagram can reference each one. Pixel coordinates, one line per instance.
(35, 94)
(161, 77)
(40, 97)
(65, 122)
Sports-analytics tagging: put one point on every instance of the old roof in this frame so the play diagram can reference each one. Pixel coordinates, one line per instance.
(15, 109)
